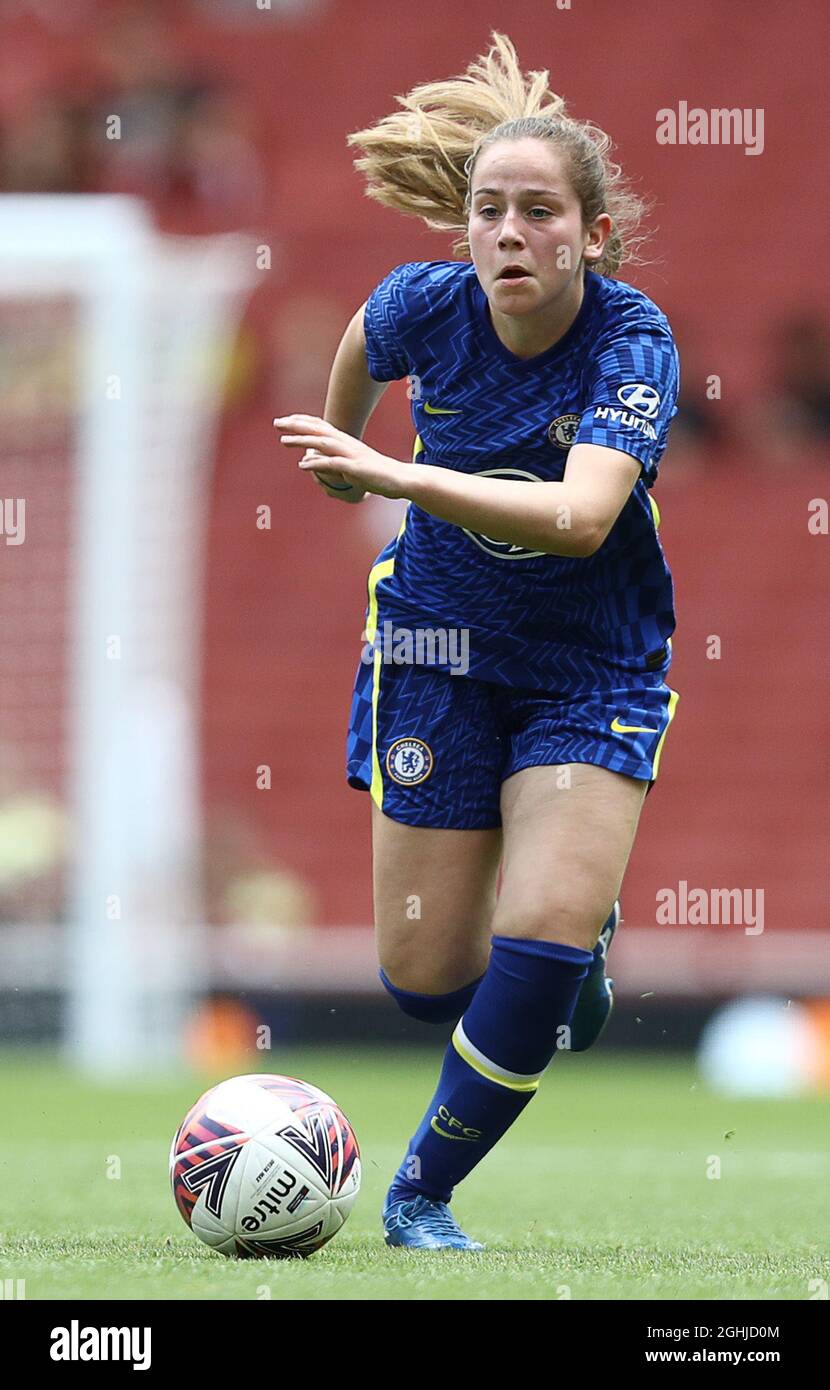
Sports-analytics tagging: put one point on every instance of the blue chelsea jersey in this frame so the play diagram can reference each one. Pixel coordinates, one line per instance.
(533, 620)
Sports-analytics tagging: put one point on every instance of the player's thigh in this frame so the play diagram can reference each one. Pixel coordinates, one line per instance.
(434, 894)
(568, 832)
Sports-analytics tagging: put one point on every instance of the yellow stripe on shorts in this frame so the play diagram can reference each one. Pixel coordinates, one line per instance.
(673, 699)
(376, 574)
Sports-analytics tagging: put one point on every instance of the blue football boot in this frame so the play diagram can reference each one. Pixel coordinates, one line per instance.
(422, 1224)
(596, 996)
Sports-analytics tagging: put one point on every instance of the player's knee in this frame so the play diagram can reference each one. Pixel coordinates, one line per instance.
(432, 1005)
(429, 966)
(569, 923)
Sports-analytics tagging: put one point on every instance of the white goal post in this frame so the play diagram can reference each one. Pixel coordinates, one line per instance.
(142, 324)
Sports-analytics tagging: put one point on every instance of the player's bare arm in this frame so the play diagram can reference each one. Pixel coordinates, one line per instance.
(572, 517)
(350, 400)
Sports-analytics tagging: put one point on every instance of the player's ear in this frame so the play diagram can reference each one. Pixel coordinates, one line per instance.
(596, 236)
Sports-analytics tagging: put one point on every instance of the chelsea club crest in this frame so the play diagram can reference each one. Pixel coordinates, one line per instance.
(562, 430)
(409, 761)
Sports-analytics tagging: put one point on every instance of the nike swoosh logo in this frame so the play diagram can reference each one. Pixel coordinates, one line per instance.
(619, 728)
(463, 1137)
(435, 410)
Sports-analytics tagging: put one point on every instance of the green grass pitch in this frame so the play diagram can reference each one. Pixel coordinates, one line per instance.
(599, 1191)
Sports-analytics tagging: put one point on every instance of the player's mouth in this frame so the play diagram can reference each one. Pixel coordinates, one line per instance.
(513, 275)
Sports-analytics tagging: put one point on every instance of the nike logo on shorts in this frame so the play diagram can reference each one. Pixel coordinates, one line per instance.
(618, 728)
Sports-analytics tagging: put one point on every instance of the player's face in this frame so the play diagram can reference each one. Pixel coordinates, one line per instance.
(525, 212)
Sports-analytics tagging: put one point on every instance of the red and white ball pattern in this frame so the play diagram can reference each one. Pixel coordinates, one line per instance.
(265, 1165)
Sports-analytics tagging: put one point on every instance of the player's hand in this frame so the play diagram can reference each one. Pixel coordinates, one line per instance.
(347, 458)
(333, 482)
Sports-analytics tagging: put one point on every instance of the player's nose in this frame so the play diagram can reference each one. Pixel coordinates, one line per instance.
(510, 231)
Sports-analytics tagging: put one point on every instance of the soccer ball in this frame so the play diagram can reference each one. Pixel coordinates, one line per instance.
(265, 1166)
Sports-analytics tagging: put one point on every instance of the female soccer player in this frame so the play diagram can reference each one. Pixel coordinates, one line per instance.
(529, 728)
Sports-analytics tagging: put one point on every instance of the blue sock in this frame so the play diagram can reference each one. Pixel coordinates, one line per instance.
(494, 1062)
(432, 1008)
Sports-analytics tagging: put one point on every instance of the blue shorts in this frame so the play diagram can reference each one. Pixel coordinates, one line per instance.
(434, 748)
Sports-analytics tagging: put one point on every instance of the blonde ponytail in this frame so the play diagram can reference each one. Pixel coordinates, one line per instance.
(420, 160)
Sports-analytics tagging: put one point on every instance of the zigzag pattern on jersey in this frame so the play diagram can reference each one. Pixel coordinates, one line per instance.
(534, 622)
(542, 631)
(431, 320)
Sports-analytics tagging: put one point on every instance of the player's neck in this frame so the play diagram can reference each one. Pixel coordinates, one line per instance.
(533, 334)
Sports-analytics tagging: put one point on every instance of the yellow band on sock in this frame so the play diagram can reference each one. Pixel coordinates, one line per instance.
(469, 1053)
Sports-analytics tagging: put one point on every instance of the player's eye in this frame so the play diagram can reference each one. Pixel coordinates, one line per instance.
(488, 208)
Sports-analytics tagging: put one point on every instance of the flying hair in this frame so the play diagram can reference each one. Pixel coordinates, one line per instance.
(421, 160)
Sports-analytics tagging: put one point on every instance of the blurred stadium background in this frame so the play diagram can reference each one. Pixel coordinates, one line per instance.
(181, 860)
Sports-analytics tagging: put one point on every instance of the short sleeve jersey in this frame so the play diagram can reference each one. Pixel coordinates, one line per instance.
(533, 620)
